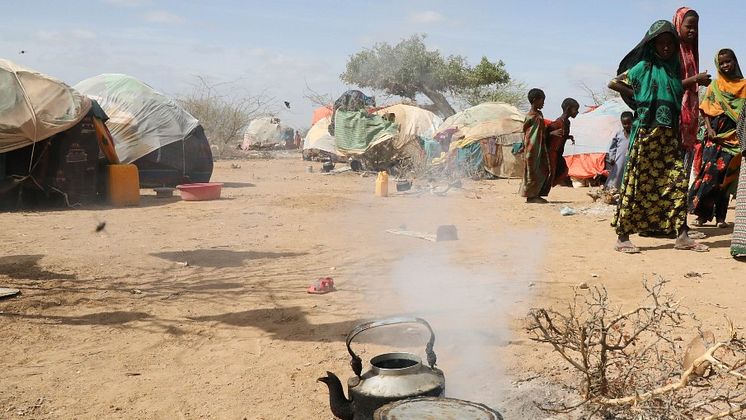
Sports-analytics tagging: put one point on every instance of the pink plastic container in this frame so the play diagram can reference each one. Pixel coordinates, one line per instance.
(200, 191)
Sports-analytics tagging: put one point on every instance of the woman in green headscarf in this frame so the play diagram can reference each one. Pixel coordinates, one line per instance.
(717, 172)
(654, 188)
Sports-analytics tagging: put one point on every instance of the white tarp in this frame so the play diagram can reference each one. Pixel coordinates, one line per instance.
(318, 138)
(34, 106)
(141, 119)
(413, 121)
(594, 130)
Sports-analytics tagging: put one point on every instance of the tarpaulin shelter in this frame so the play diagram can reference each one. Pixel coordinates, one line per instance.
(414, 122)
(484, 134)
(319, 143)
(165, 142)
(266, 132)
(53, 142)
(593, 131)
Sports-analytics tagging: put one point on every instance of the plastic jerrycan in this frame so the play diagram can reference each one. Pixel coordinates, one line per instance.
(382, 184)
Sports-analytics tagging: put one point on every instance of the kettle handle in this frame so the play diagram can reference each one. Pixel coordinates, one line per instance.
(357, 363)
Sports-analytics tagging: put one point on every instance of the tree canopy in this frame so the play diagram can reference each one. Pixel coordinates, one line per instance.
(409, 68)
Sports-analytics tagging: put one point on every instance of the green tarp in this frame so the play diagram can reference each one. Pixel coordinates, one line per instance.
(356, 131)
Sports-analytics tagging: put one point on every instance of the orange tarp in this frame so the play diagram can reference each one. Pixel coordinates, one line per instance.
(587, 165)
(320, 113)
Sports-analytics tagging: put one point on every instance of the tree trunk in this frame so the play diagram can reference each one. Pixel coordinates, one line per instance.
(444, 109)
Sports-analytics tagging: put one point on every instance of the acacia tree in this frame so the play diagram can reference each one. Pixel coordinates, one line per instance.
(409, 68)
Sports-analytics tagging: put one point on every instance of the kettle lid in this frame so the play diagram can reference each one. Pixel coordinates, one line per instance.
(435, 408)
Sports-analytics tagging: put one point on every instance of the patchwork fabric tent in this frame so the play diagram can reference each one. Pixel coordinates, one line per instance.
(51, 138)
(266, 131)
(593, 131)
(484, 135)
(165, 142)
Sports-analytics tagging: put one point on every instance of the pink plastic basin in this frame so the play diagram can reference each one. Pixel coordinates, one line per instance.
(200, 191)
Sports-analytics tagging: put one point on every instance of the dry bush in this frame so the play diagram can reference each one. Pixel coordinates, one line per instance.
(223, 117)
(630, 363)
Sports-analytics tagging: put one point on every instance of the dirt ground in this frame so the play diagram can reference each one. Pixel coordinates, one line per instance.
(199, 310)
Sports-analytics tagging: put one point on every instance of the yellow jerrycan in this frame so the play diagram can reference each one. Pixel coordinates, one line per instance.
(382, 184)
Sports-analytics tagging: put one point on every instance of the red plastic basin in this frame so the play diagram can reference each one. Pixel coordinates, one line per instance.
(200, 191)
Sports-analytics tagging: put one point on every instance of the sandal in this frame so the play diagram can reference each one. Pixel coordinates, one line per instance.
(626, 249)
(322, 286)
(696, 247)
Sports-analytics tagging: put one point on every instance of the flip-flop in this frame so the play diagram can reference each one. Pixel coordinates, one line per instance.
(695, 234)
(627, 249)
(696, 247)
(322, 286)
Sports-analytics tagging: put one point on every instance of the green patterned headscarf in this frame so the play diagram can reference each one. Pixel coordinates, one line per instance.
(657, 88)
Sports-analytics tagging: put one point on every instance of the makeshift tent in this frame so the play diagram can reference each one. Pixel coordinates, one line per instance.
(34, 106)
(321, 112)
(167, 144)
(53, 143)
(266, 132)
(593, 131)
(319, 143)
(491, 127)
(414, 122)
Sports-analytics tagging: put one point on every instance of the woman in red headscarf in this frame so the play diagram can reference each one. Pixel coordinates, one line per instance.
(686, 22)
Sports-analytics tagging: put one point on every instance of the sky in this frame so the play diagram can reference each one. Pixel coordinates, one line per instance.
(280, 48)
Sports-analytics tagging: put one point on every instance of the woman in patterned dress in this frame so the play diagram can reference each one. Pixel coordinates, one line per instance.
(720, 161)
(654, 188)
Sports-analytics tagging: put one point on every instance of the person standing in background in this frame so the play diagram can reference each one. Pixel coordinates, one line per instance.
(686, 22)
(617, 157)
(558, 135)
(536, 178)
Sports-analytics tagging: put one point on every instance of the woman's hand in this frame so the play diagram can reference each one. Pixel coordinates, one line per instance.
(571, 138)
(703, 78)
(711, 134)
(557, 132)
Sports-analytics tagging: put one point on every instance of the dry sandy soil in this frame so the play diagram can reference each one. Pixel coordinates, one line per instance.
(187, 310)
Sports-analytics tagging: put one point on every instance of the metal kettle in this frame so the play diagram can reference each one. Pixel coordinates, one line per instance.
(392, 376)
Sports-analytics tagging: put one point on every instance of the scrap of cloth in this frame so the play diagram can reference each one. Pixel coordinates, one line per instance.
(689, 56)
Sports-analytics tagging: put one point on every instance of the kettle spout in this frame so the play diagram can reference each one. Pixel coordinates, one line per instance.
(341, 407)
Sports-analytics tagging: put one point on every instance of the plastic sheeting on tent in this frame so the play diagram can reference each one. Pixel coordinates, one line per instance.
(488, 119)
(141, 120)
(266, 131)
(593, 131)
(166, 143)
(496, 126)
(413, 121)
(34, 106)
(318, 138)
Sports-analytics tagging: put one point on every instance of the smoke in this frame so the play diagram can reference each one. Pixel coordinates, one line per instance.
(469, 292)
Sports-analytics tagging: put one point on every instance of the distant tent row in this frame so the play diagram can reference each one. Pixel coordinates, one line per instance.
(55, 141)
